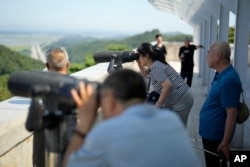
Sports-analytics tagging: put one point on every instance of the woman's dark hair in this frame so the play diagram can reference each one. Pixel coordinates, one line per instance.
(157, 36)
(153, 52)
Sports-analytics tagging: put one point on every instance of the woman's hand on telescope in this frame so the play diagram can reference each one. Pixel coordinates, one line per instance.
(87, 106)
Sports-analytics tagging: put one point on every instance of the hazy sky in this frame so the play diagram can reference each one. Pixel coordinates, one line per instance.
(83, 15)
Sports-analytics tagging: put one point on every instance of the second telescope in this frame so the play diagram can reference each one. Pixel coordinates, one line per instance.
(124, 57)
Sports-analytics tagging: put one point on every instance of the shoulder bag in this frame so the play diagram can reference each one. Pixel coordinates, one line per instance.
(243, 111)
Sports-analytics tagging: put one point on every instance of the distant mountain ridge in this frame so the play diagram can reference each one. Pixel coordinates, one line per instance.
(173, 33)
(78, 46)
(86, 34)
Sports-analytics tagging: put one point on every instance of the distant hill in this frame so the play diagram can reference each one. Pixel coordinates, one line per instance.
(136, 40)
(12, 61)
(78, 47)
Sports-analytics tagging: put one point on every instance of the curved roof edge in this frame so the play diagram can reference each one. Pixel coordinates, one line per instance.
(193, 11)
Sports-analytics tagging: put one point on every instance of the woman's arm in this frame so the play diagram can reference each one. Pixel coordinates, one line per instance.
(166, 86)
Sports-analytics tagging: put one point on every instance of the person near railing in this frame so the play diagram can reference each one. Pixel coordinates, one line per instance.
(219, 111)
(57, 60)
(132, 133)
(173, 92)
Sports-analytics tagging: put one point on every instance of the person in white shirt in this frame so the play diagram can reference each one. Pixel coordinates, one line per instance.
(132, 134)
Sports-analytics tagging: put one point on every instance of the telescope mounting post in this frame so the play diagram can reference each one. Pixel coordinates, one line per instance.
(115, 63)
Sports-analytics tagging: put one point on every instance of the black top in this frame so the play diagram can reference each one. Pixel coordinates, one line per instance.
(187, 54)
(161, 50)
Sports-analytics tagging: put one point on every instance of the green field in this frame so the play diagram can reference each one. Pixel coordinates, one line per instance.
(19, 48)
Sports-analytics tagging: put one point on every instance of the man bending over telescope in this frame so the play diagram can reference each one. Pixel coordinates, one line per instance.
(132, 133)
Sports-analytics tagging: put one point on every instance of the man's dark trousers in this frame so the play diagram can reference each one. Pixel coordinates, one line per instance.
(187, 70)
(212, 160)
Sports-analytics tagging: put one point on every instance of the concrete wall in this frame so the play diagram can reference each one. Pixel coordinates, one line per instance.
(19, 156)
(173, 51)
(16, 142)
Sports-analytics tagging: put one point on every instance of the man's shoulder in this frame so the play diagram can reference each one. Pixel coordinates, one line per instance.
(102, 133)
(127, 126)
(127, 120)
(106, 129)
(182, 47)
(106, 126)
(192, 46)
(231, 75)
(230, 81)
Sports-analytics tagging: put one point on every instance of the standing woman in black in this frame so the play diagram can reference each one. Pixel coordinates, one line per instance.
(159, 46)
(173, 90)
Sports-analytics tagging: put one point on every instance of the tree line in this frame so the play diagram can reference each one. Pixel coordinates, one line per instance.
(79, 47)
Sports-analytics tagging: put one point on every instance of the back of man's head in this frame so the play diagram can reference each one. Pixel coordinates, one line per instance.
(57, 60)
(224, 49)
(126, 85)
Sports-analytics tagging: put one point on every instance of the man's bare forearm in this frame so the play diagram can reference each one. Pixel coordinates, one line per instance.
(230, 125)
(74, 145)
(224, 146)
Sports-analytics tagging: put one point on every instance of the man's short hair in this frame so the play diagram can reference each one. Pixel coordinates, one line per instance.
(157, 36)
(187, 39)
(126, 85)
(224, 49)
(58, 64)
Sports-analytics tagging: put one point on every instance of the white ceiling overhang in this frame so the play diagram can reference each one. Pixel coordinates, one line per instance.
(193, 11)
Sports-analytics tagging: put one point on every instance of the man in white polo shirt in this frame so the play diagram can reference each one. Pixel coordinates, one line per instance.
(132, 134)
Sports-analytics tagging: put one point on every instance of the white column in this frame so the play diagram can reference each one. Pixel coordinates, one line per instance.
(196, 53)
(201, 51)
(213, 38)
(241, 56)
(206, 47)
(213, 30)
(224, 23)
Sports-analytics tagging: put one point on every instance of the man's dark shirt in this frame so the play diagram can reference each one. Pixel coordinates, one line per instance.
(188, 53)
